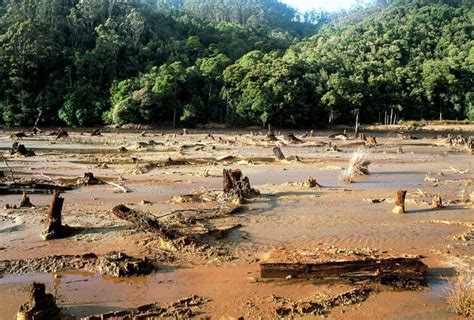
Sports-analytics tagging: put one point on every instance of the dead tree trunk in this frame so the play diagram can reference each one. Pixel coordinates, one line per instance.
(398, 271)
(143, 221)
(25, 201)
(41, 305)
(278, 153)
(54, 228)
(400, 202)
(356, 131)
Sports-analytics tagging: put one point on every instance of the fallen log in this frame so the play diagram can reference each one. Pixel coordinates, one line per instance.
(396, 271)
(37, 188)
(144, 221)
(62, 134)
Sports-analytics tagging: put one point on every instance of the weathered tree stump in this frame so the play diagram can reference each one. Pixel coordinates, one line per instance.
(278, 153)
(437, 202)
(271, 137)
(25, 201)
(290, 138)
(400, 202)
(362, 136)
(96, 132)
(54, 228)
(371, 141)
(20, 149)
(234, 183)
(62, 134)
(41, 305)
(311, 183)
(89, 179)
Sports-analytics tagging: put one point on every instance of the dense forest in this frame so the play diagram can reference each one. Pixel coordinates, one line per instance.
(242, 62)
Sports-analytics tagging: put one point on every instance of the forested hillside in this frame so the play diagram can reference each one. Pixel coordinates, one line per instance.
(244, 62)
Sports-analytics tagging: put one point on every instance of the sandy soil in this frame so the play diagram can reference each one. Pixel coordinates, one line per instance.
(287, 214)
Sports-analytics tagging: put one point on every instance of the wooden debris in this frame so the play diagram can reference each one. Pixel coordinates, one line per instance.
(371, 141)
(400, 202)
(145, 222)
(278, 153)
(311, 183)
(182, 309)
(62, 134)
(25, 201)
(41, 305)
(90, 180)
(338, 136)
(20, 149)
(54, 228)
(290, 138)
(289, 308)
(32, 187)
(18, 135)
(171, 162)
(234, 183)
(395, 271)
(270, 137)
(118, 264)
(96, 132)
(437, 202)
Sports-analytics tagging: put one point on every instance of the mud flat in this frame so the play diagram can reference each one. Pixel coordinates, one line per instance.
(160, 224)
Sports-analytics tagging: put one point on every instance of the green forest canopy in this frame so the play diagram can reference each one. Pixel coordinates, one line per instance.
(243, 62)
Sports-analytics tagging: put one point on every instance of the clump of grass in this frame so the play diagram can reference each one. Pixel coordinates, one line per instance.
(358, 165)
(460, 294)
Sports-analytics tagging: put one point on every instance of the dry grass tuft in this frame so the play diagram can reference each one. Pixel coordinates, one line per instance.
(460, 294)
(358, 165)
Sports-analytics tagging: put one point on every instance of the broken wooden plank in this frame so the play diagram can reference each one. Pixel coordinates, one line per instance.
(398, 271)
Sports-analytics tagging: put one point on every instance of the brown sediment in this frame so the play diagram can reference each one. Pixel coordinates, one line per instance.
(217, 252)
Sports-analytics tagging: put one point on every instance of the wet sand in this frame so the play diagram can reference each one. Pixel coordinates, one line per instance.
(284, 215)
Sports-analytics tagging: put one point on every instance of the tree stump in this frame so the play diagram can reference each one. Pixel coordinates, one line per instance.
(400, 202)
(290, 137)
(62, 134)
(25, 201)
(311, 183)
(41, 305)
(234, 183)
(54, 228)
(271, 137)
(278, 153)
(89, 179)
(437, 201)
(371, 141)
(20, 149)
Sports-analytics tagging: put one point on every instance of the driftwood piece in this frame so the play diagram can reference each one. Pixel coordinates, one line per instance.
(278, 153)
(400, 202)
(338, 136)
(145, 222)
(41, 305)
(54, 228)
(25, 201)
(396, 271)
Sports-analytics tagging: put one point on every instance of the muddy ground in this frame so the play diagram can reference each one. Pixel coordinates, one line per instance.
(287, 214)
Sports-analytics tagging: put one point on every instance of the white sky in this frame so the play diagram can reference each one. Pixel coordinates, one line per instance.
(327, 5)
